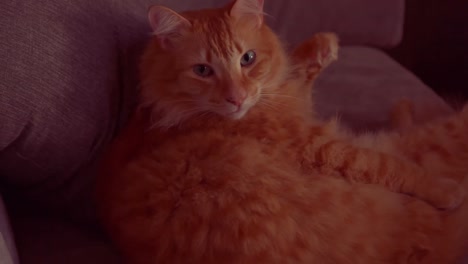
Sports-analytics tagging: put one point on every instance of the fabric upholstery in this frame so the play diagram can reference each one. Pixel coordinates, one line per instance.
(8, 253)
(51, 240)
(364, 22)
(58, 101)
(364, 84)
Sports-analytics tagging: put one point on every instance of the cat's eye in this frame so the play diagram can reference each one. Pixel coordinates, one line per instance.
(248, 58)
(203, 70)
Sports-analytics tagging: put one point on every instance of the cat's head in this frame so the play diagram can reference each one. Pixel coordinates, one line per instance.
(210, 61)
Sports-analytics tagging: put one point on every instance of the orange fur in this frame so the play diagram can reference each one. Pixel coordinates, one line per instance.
(439, 145)
(258, 181)
(401, 116)
(307, 61)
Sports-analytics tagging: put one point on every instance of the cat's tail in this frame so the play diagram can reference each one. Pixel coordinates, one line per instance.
(453, 137)
(451, 245)
(440, 146)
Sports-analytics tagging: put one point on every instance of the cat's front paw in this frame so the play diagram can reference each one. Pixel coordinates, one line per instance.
(444, 193)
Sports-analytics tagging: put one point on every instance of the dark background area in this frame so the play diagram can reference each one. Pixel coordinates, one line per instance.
(435, 46)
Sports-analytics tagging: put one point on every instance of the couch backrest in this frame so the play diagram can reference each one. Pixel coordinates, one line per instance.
(357, 22)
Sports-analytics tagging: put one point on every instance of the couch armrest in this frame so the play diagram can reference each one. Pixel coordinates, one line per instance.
(357, 22)
(8, 254)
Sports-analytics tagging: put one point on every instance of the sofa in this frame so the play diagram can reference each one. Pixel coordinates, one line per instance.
(68, 76)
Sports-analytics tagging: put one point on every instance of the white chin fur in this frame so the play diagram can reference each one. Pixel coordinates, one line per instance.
(238, 115)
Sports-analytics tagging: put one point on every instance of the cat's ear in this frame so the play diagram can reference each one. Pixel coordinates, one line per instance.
(166, 24)
(248, 9)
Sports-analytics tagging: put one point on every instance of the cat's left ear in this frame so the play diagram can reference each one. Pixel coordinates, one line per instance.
(248, 9)
(167, 25)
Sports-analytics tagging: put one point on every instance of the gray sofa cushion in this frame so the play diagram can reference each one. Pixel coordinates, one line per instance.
(58, 101)
(364, 84)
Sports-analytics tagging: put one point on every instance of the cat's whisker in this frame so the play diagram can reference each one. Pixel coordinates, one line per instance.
(190, 113)
(202, 114)
(284, 96)
(284, 100)
(270, 106)
(270, 93)
(279, 104)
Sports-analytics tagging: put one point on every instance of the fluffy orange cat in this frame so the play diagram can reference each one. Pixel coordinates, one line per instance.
(222, 164)
(439, 145)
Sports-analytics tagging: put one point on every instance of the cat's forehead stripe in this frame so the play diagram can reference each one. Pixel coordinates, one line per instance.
(238, 46)
(219, 37)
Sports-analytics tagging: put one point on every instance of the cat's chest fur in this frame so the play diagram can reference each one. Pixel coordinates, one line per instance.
(220, 137)
(211, 150)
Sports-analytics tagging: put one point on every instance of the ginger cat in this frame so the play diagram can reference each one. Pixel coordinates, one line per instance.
(221, 164)
(438, 144)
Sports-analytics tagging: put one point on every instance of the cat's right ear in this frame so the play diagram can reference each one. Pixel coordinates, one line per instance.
(167, 25)
(248, 10)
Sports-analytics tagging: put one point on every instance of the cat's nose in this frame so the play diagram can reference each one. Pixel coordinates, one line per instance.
(235, 101)
(236, 96)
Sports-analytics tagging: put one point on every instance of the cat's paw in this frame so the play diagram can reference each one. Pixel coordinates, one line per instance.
(445, 194)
